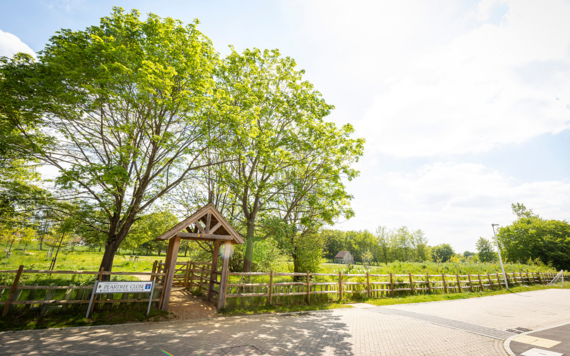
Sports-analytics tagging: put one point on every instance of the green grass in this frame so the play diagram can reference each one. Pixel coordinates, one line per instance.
(273, 309)
(423, 298)
(59, 318)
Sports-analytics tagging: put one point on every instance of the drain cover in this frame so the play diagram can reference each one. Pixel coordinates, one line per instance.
(243, 350)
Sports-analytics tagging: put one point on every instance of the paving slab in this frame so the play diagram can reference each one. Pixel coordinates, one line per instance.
(529, 310)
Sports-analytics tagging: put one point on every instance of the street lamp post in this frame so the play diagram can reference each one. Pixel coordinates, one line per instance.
(500, 258)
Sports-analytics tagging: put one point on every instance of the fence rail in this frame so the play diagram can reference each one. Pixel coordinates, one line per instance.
(388, 285)
(73, 294)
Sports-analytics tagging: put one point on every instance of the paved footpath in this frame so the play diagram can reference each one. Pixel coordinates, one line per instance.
(363, 330)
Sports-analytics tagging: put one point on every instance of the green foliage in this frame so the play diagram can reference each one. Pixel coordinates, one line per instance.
(125, 104)
(531, 237)
(282, 150)
(485, 250)
(442, 253)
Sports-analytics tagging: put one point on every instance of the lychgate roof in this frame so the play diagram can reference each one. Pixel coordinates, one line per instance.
(206, 224)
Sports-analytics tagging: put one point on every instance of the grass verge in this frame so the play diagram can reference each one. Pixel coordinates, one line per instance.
(423, 298)
(60, 319)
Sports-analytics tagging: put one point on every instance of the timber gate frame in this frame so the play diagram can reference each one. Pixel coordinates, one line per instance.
(206, 224)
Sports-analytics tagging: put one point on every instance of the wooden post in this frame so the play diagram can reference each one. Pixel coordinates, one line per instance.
(170, 266)
(458, 283)
(340, 286)
(162, 291)
(99, 278)
(153, 271)
(12, 290)
(187, 274)
(539, 278)
(308, 288)
(213, 275)
(192, 265)
(490, 281)
(201, 276)
(522, 278)
(428, 284)
(527, 278)
(368, 283)
(470, 283)
(225, 275)
(444, 284)
(480, 283)
(270, 286)
(411, 284)
(391, 285)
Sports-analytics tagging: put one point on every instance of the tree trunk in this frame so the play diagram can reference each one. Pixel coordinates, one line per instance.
(107, 261)
(249, 244)
(186, 251)
(248, 259)
(159, 251)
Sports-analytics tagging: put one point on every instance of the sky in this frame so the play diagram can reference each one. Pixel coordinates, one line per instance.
(464, 105)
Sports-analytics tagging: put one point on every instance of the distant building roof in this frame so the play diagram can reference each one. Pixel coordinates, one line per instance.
(341, 254)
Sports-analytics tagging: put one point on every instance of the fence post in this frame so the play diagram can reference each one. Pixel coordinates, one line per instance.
(499, 280)
(522, 278)
(192, 274)
(527, 278)
(490, 281)
(12, 290)
(391, 285)
(411, 284)
(444, 284)
(308, 288)
(270, 286)
(480, 282)
(340, 286)
(153, 270)
(186, 275)
(99, 277)
(368, 283)
(539, 278)
(458, 283)
(428, 284)
(470, 283)
(162, 291)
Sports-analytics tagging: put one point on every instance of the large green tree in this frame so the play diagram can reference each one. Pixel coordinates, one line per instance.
(130, 107)
(531, 237)
(281, 128)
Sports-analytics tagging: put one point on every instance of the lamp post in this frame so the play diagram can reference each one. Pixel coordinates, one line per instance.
(500, 258)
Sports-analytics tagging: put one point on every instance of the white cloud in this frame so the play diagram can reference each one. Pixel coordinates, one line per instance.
(11, 44)
(452, 202)
(448, 78)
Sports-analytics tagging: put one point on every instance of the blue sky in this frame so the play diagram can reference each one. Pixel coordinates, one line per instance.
(465, 105)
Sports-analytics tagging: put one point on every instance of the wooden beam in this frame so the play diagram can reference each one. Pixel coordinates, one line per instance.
(193, 236)
(199, 226)
(216, 227)
(208, 222)
(170, 266)
(213, 276)
(224, 278)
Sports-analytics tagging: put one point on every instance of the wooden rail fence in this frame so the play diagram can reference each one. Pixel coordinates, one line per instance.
(376, 285)
(73, 294)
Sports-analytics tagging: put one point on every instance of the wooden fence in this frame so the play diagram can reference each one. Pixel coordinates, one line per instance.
(375, 285)
(73, 294)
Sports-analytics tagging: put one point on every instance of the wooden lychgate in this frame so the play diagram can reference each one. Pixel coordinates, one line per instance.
(206, 224)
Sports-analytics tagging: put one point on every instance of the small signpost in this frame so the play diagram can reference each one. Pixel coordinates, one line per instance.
(122, 287)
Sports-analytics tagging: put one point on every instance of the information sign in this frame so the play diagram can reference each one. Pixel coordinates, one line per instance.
(121, 287)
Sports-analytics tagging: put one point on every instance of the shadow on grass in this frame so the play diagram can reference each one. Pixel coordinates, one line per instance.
(58, 318)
